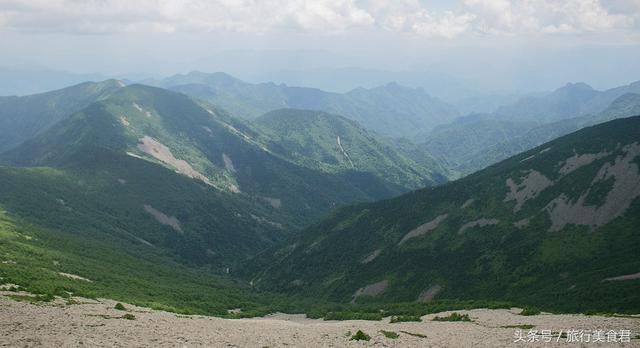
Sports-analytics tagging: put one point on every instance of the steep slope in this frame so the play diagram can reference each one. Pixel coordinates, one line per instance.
(390, 110)
(334, 144)
(556, 227)
(22, 118)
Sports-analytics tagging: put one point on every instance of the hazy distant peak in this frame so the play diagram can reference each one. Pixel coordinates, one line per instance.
(577, 86)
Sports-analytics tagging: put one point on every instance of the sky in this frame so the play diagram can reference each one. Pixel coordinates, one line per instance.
(492, 45)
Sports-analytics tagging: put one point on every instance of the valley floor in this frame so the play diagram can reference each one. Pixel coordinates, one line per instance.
(91, 323)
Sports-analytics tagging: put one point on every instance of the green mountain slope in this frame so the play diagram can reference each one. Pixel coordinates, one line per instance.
(556, 227)
(207, 145)
(62, 262)
(390, 110)
(334, 144)
(23, 118)
(146, 186)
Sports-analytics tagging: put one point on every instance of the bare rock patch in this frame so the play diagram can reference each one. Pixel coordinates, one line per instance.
(371, 256)
(374, 289)
(522, 223)
(467, 203)
(274, 202)
(577, 161)
(163, 218)
(424, 228)
(478, 223)
(626, 188)
(228, 163)
(162, 153)
(623, 277)
(428, 294)
(531, 185)
(74, 277)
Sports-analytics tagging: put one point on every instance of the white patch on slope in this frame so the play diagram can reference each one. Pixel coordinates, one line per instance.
(427, 295)
(478, 223)
(162, 153)
(209, 131)
(623, 277)
(162, 218)
(371, 256)
(577, 161)
(274, 202)
(344, 152)
(265, 221)
(228, 163)
(532, 184)
(146, 113)
(626, 188)
(134, 155)
(74, 277)
(528, 158)
(124, 121)
(371, 290)
(424, 228)
(522, 223)
(543, 151)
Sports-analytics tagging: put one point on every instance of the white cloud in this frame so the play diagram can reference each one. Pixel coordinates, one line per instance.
(546, 16)
(465, 17)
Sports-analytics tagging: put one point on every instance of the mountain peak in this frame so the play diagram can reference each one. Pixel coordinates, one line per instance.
(577, 86)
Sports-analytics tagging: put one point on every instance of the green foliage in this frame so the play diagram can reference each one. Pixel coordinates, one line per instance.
(352, 316)
(530, 311)
(360, 336)
(119, 306)
(413, 334)
(455, 316)
(129, 316)
(404, 318)
(33, 298)
(390, 334)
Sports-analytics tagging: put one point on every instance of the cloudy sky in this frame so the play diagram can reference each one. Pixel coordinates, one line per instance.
(500, 44)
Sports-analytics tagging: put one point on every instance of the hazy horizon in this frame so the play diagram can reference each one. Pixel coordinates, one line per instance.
(484, 46)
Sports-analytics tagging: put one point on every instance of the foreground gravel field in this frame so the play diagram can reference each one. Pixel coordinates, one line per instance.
(91, 323)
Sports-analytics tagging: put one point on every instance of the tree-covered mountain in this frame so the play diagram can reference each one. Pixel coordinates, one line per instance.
(334, 144)
(22, 118)
(555, 226)
(146, 186)
(391, 110)
(202, 143)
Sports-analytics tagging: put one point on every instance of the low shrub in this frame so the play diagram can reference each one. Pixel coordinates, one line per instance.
(360, 336)
(455, 316)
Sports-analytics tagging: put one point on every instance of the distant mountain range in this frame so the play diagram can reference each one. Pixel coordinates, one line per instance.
(390, 110)
(478, 140)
